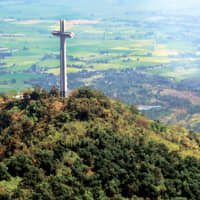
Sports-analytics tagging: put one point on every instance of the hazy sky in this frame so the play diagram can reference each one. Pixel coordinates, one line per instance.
(160, 4)
(102, 7)
(141, 4)
(177, 4)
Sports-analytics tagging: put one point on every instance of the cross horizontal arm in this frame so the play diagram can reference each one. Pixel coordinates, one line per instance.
(65, 34)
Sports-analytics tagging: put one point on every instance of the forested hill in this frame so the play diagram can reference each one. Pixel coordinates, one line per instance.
(90, 147)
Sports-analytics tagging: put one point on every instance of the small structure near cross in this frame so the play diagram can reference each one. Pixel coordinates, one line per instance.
(63, 59)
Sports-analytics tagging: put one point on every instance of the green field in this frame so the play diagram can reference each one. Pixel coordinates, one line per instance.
(101, 46)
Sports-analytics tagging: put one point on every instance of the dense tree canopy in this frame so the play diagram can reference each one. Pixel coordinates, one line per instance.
(88, 147)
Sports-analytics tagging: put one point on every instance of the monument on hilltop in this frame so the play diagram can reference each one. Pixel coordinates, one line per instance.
(63, 58)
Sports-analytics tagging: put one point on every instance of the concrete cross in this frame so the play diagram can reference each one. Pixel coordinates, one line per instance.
(63, 59)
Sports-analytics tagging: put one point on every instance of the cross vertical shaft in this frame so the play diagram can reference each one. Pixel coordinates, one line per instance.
(63, 61)
(63, 58)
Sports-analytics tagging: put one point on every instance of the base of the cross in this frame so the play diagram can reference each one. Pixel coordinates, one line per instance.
(63, 94)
